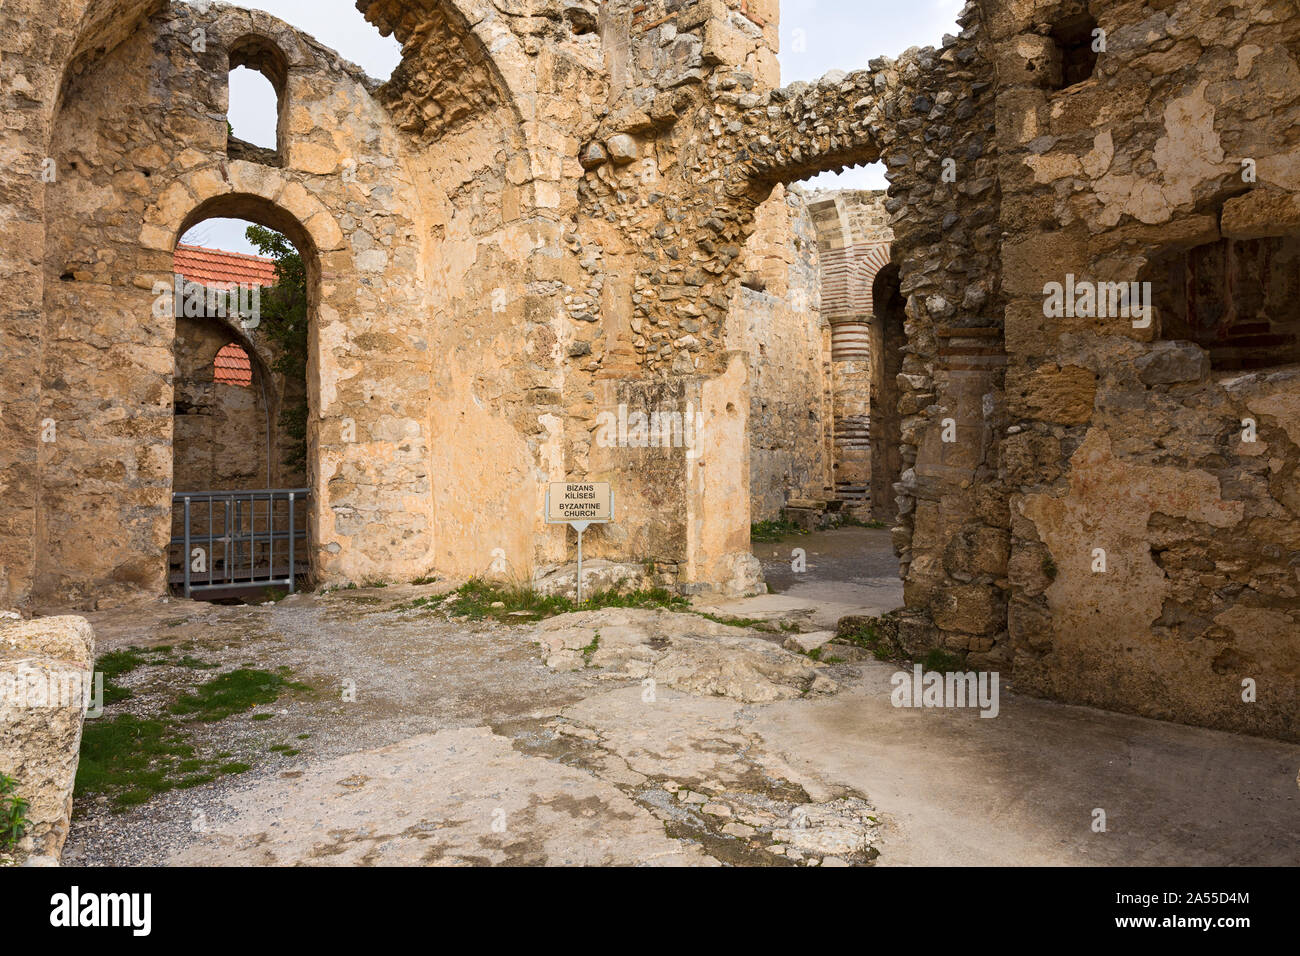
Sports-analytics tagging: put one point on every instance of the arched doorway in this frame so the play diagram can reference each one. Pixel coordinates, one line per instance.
(240, 472)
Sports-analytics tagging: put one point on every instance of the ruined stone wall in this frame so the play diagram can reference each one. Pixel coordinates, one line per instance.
(914, 113)
(854, 240)
(1119, 441)
(38, 41)
(136, 170)
(567, 228)
(662, 245)
(221, 431)
(517, 326)
(775, 318)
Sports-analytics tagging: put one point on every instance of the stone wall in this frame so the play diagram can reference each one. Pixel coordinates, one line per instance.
(854, 240)
(105, 481)
(1129, 440)
(224, 435)
(38, 42)
(776, 320)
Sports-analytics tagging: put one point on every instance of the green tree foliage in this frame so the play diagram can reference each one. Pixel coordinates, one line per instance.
(284, 323)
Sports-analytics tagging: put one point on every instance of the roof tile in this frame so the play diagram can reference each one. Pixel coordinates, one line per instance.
(213, 267)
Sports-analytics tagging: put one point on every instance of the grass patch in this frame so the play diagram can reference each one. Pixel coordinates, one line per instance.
(130, 758)
(133, 759)
(649, 597)
(773, 530)
(478, 600)
(117, 664)
(589, 651)
(427, 579)
(13, 814)
(753, 623)
(432, 600)
(232, 693)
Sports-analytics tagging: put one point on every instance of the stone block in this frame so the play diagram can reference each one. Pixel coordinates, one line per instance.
(45, 667)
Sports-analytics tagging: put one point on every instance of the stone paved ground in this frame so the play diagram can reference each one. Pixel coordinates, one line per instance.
(674, 741)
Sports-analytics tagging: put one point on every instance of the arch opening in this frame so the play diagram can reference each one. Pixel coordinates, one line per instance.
(1239, 299)
(255, 117)
(241, 401)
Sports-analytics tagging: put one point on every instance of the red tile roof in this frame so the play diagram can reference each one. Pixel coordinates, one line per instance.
(232, 366)
(222, 270)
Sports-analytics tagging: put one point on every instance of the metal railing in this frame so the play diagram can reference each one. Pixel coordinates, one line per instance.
(238, 539)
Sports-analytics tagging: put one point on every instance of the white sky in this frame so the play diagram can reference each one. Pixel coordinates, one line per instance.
(816, 36)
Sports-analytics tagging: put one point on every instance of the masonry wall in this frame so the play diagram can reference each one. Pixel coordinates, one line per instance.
(662, 251)
(776, 319)
(220, 431)
(1130, 440)
(38, 41)
(855, 242)
(136, 170)
(553, 216)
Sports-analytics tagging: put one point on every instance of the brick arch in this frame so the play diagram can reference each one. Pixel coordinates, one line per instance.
(849, 265)
(871, 258)
(238, 335)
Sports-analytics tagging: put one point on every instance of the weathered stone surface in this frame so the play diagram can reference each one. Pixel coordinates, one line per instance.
(1169, 363)
(377, 808)
(623, 149)
(838, 828)
(45, 667)
(683, 651)
(804, 643)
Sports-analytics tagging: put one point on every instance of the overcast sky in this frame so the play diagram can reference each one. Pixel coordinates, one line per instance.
(816, 36)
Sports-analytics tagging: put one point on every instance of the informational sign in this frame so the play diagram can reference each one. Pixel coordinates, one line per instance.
(579, 504)
(568, 502)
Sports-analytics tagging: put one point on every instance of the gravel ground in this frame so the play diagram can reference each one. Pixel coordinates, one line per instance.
(414, 672)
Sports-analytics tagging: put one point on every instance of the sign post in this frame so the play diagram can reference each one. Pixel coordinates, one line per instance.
(579, 504)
